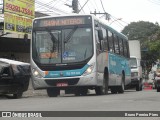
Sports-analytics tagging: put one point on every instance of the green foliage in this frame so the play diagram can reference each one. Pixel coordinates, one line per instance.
(149, 35)
(140, 30)
(155, 45)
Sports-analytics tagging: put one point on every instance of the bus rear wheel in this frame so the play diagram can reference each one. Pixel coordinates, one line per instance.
(53, 92)
(139, 86)
(122, 87)
(113, 90)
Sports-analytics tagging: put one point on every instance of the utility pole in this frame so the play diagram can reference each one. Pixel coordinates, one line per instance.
(106, 14)
(75, 6)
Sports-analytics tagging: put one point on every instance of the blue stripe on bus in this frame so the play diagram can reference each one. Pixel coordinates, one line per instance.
(117, 64)
(66, 73)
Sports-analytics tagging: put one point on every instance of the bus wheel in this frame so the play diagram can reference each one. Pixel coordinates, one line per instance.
(84, 92)
(102, 90)
(81, 91)
(139, 86)
(121, 88)
(53, 92)
(113, 90)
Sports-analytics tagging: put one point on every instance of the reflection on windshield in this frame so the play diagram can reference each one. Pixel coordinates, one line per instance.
(47, 46)
(133, 62)
(70, 34)
(63, 46)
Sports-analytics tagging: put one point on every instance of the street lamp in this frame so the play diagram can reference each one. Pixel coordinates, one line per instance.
(115, 20)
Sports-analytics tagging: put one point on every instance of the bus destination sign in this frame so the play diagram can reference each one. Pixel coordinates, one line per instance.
(62, 21)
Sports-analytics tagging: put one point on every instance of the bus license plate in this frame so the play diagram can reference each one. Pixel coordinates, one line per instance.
(62, 84)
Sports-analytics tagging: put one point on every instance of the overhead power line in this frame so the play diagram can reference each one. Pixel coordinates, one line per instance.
(80, 7)
(96, 5)
(48, 7)
(83, 6)
(116, 20)
(157, 2)
(102, 6)
(46, 4)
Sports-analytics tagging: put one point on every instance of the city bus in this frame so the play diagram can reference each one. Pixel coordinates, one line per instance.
(77, 53)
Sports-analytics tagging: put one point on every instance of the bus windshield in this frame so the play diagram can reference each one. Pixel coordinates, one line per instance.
(62, 46)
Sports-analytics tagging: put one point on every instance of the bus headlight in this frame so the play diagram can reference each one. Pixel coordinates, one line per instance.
(89, 70)
(36, 73)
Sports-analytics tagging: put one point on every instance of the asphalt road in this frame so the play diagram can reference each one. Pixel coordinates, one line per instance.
(146, 100)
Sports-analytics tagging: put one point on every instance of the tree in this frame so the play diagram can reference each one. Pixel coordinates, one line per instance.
(149, 35)
(140, 30)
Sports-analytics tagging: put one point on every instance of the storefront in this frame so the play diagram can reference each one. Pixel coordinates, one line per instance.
(14, 46)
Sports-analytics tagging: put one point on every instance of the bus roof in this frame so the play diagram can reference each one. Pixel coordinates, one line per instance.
(110, 28)
(94, 17)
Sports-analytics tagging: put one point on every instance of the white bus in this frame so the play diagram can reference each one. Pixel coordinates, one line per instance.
(76, 53)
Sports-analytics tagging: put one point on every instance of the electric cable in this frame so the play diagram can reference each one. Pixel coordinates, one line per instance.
(83, 5)
(157, 2)
(47, 7)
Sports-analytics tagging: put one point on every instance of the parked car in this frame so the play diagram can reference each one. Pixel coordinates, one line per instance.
(14, 77)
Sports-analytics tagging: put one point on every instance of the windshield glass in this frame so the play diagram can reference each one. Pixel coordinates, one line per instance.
(62, 46)
(133, 62)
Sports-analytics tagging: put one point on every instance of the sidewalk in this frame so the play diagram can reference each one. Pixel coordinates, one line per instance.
(31, 92)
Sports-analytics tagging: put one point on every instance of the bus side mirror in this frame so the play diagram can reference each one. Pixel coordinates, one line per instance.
(100, 35)
(102, 45)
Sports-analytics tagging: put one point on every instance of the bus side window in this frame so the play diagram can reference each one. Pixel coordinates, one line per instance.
(110, 41)
(121, 46)
(128, 52)
(97, 40)
(116, 44)
(125, 48)
(105, 39)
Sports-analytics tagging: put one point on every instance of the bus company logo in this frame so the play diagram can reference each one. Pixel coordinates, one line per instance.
(6, 114)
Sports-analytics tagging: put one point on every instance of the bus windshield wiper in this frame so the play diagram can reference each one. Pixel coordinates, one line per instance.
(54, 39)
(70, 34)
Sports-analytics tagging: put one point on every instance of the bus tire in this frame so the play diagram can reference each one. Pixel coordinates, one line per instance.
(103, 90)
(53, 92)
(122, 87)
(84, 92)
(139, 86)
(113, 90)
(81, 91)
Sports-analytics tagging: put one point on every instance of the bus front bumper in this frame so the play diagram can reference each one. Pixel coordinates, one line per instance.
(64, 82)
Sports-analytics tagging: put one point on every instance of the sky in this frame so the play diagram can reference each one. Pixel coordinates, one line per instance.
(122, 12)
(126, 10)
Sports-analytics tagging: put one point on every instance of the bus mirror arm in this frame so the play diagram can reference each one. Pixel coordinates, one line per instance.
(100, 34)
(102, 45)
